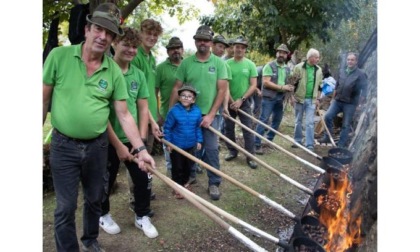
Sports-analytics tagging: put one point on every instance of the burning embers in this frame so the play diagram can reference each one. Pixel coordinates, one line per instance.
(342, 223)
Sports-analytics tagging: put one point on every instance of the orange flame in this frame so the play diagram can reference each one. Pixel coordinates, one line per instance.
(342, 224)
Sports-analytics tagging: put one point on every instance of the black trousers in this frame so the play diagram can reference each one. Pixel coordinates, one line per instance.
(142, 183)
(181, 166)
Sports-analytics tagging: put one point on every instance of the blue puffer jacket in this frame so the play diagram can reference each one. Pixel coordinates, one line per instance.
(182, 127)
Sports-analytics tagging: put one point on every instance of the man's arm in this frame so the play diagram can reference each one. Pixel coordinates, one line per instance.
(271, 85)
(226, 101)
(252, 87)
(156, 132)
(221, 93)
(122, 151)
(143, 117)
(363, 88)
(46, 99)
(160, 119)
(130, 129)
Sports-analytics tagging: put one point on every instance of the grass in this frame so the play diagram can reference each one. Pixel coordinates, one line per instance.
(182, 227)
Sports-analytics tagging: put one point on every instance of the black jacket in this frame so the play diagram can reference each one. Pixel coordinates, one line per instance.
(351, 86)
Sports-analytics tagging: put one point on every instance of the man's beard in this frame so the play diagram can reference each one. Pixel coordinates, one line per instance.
(280, 60)
(202, 49)
(176, 57)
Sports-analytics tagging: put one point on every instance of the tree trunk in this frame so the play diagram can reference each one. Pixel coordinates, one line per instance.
(125, 12)
(52, 41)
(128, 9)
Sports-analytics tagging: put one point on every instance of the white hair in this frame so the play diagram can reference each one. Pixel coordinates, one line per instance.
(312, 52)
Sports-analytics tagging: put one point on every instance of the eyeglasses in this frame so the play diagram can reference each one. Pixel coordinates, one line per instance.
(185, 97)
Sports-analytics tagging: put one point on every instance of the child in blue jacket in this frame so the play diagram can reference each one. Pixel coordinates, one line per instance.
(182, 128)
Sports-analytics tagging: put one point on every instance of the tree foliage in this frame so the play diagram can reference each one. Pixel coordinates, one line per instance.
(267, 23)
(133, 11)
(350, 35)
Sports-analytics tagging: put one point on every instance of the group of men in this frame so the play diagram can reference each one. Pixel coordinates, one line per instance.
(105, 110)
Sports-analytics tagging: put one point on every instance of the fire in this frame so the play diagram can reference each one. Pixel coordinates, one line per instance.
(342, 223)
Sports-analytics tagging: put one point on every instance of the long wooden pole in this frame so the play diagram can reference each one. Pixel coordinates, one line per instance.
(264, 164)
(248, 227)
(316, 168)
(232, 180)
(238, 235)
(288, 138)
(326, 128)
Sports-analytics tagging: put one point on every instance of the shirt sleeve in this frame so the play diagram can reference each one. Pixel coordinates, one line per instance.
(267, 71)
(254, 72)
(49, 68)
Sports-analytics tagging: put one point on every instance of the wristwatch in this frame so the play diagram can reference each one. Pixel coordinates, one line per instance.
(137, 150)
(243, 98)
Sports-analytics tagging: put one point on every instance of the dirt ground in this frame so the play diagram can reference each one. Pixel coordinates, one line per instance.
(182, 227)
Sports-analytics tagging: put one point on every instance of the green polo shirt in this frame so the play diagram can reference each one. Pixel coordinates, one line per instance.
(281, 70)
(242, 72)
(80, 104)
(165, 80)
(310, 70)
(147, 63)
(203, 76)
(137, 89)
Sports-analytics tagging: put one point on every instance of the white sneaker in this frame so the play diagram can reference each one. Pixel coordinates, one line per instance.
(108, 225)
(144, 224)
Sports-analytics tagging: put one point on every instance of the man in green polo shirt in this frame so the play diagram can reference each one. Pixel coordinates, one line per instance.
(219, 45)
(125, 48)
(242, 86)
(306, 96)
(85, 81)
(208, 75)
(150, 30)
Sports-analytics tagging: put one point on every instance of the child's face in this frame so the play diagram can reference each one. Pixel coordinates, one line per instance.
(186, 98)
(125, 51)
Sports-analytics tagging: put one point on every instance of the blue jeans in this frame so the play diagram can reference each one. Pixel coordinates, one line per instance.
(221, 120)
(245, 120)
(348, 110)
(167, 158)
(73, 161)
(308, 107)
(210, 149)
(270, 106)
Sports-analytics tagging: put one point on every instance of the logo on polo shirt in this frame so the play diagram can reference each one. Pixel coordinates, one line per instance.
(212, 69)
(103, 84)
(134, 86)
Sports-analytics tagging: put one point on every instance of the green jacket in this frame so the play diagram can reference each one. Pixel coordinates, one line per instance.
(300, 70)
